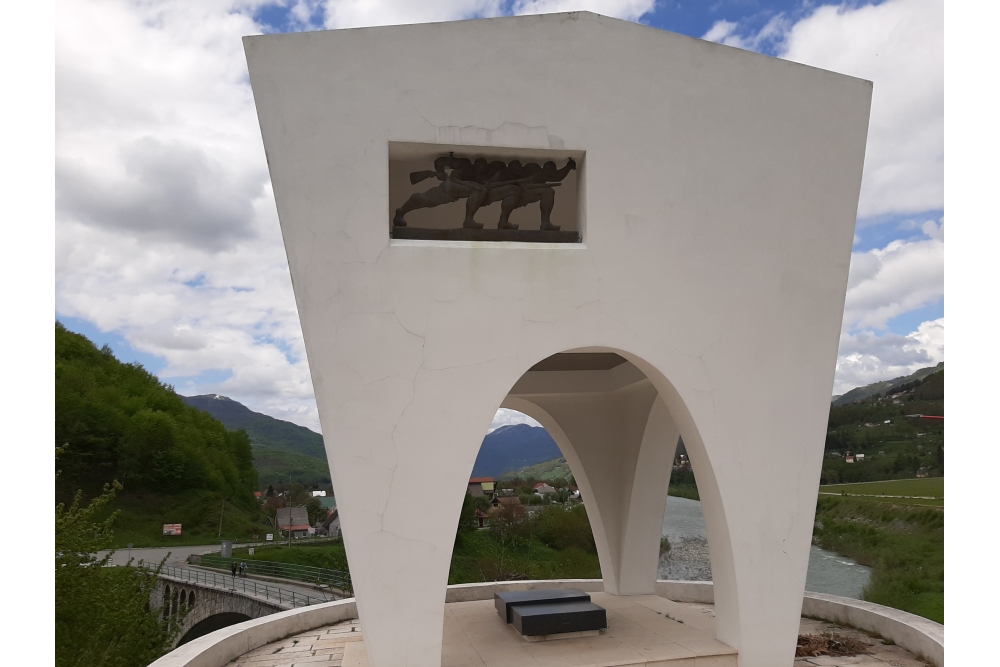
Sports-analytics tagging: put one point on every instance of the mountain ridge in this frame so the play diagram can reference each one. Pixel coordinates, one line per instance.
(281, 449)
(514, 446)
(861, 393)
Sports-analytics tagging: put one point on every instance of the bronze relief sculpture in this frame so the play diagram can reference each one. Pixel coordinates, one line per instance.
(482, 183)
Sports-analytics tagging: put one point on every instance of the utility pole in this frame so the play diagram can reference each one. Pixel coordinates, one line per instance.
(220, 517)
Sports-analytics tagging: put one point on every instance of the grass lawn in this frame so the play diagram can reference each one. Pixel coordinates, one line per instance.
(476, 558)
(904, 546)
(198, 512)
(909, 502)
(928, 486)
(330, 556)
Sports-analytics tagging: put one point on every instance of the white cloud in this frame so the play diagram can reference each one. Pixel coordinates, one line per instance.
(899, 46)
(887, 282)
(865, 358)
(505, 417)
(630, 10)
(359, 13)
(166, 226)
(722, 30)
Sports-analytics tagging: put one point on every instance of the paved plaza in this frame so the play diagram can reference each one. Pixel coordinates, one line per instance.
(642, 630)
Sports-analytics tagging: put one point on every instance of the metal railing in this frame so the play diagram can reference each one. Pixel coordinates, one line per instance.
(236, 584)
(307, 573)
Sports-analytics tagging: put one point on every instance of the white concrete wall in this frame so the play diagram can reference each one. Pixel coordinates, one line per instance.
(717, 208)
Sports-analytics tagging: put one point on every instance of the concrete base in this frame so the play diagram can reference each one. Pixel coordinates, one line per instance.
(690, 600)
(548, 638)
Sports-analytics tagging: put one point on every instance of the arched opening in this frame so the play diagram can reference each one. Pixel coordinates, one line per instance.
(166, 601)
(617, 422)
(211, 624)
(191, 600)
(183, 599)
(522, 516)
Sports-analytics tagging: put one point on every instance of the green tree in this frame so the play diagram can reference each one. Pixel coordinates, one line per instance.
(103, 615)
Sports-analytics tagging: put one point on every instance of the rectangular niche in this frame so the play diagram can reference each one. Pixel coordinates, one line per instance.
(519, 180)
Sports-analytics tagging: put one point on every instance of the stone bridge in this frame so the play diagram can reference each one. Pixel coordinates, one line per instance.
(202, 608)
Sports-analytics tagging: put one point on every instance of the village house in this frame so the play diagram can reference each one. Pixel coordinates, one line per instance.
(481, 486)
(331, 523)
(543, 489)
(849, 458)
(512, 503)
(859, 457)
(295, 519)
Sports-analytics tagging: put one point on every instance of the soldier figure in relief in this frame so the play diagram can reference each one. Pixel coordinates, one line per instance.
(482, 183)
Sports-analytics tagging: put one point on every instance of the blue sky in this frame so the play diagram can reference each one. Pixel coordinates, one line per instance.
(167, 242)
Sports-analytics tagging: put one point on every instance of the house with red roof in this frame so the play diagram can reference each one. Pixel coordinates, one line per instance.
(482, 486)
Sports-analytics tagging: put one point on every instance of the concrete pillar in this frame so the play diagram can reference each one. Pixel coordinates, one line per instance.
(620, 448)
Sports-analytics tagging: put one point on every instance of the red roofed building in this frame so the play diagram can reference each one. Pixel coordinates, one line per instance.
(295, 519)
(512, 503)
(482, 486)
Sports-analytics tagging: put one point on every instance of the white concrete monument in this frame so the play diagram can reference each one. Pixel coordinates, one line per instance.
(699, 291)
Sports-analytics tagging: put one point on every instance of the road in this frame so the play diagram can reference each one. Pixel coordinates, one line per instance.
(245, 584)
(178, 555)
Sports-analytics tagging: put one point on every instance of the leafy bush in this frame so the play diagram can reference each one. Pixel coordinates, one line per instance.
(903, 546)
(103, 616)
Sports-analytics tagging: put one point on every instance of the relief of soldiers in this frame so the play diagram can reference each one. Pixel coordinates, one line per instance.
(482, 183)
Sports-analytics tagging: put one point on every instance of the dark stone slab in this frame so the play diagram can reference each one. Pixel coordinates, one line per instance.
(462, 234)
(557, 617)
(539, 596)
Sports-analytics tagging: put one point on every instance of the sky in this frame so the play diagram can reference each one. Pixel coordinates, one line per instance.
(167, 240)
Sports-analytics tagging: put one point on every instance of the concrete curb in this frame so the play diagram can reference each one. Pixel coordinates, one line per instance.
(920, 636)
(220, 647)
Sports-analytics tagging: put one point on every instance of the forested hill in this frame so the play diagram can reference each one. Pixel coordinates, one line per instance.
(877, 388)
(120, 422)
(512, 447)
(262, 429)
(282, 451)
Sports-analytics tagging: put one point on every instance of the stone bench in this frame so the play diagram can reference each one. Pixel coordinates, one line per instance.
(558, 618)
(506, 599)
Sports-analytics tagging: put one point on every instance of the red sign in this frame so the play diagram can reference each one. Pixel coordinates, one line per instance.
(171, 529)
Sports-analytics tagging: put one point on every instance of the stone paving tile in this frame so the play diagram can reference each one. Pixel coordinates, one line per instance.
(642, 630)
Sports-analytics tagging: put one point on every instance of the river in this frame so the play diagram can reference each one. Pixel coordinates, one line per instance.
(684, 528)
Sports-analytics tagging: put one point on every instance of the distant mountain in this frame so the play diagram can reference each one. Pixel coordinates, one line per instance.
(280, 448)
(512, 447)
(861, 393)
(546, 470)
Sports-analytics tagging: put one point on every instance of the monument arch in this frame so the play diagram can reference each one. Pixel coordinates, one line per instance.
(717, 191)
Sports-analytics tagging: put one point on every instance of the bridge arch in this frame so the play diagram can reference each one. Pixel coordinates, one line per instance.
(211, 624)
(200, 610)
